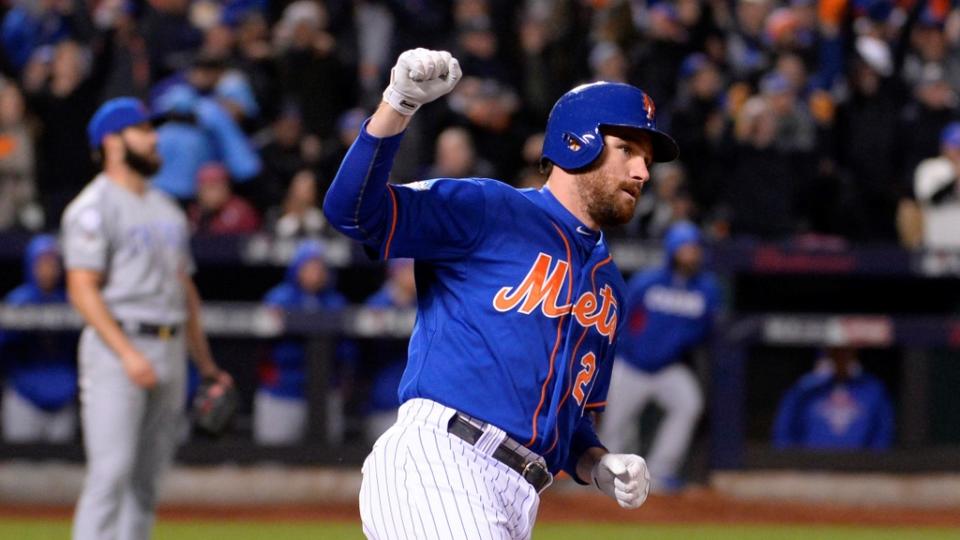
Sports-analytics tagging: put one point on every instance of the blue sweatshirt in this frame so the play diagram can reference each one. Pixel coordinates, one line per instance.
(823, 412)
(40, 366)
(668, 314)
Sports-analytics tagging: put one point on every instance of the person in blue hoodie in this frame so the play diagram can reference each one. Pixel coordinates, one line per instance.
(387, 357)
(280, 412)
(670, 312)
(837, 406)
(41, 374)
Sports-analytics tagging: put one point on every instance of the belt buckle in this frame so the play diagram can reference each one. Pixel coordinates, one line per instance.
(165, 332)
(535, 467)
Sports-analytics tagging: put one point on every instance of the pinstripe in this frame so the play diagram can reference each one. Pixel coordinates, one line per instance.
(475, 470)
(446, 475)
(411, 506)
(463, 486)
(382, 489)
(389, 472)
(446, 521)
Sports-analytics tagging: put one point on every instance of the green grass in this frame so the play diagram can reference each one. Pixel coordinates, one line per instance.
(250, 530)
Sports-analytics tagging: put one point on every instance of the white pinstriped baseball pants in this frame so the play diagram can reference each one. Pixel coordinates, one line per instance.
(420, 482)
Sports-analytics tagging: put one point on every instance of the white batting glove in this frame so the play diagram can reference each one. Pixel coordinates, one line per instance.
(419, 77)
(624, 477)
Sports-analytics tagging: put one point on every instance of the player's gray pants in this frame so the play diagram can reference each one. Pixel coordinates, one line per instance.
(130, 435)
(420, 482)
(675, 389)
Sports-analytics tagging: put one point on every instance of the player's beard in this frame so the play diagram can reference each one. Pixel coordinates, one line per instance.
(603, 200)
(145, 165)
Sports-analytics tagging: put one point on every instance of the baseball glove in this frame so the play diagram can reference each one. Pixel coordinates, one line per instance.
(214, 406)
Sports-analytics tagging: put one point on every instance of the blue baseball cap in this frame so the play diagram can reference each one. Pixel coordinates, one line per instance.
(114, 116)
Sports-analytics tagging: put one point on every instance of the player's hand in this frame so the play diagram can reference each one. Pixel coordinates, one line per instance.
(219, 376)
(624, 477)
(420, 76)
(140, 370)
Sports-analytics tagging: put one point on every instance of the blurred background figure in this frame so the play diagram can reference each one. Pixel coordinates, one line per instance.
(18, 178)
(937, 188)
(670, 311)
(41, 374)
(280, 405)
(456, 157)
(837, 406)
(299, 216)
(217, 210)
(386, 358)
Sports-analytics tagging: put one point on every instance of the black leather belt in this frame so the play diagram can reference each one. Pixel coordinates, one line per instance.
(162, 331)
(511, 453)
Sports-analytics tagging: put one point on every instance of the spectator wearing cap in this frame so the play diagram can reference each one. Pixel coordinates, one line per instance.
(478, 50)
(169, 36)
(456, 157)
(937, 189)
(217, 211)
(746, 52)
(608, 63)
(796, 130)
(30, 25)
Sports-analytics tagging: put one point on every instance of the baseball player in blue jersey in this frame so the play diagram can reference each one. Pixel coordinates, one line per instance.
(670, 311)
(519, 304)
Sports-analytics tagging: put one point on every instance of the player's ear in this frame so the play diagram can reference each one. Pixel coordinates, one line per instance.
(96, 155)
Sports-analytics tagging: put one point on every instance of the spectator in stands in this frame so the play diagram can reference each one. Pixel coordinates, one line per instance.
(217, 210)
(299, 216)
(935, 105)
(280, 406)
(40, 371)
(63, 86)
(309, 66)
(18, 181)
(386, 359)
(456, 157)
(835, 407)
(664, 203)
(30, 25)
(198, 130)
(282, 154)
(937, 188)
(761, 187)
(669, 312)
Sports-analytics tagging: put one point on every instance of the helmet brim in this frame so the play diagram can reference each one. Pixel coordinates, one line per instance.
(664, 147)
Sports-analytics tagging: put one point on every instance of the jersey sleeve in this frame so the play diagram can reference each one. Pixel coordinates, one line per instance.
(85, 240)
(434, 219)
(584, 438)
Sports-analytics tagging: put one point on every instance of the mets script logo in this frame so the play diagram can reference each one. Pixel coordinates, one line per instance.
(649, 106)
(541, 289)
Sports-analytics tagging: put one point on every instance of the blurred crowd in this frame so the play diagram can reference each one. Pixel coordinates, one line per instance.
(794, 117)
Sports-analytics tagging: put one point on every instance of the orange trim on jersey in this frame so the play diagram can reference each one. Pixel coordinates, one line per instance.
(393, 223)
(593, 287)
(556, 344)
(595, 405)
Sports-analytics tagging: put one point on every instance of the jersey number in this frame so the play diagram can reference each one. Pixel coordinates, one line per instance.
(589, 363)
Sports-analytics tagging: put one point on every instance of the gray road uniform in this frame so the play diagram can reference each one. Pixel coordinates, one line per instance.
(140, 244)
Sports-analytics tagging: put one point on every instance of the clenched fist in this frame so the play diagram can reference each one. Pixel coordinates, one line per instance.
(419, 77)
(624, 477)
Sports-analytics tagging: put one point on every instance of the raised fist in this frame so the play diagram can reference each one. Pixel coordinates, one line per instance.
(420, 76)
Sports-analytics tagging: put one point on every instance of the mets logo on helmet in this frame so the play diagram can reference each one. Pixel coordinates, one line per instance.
(649, 106)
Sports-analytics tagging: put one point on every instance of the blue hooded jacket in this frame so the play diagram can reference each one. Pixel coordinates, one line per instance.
(39, 365)
(822, 412)
(283, 374)
(389, 355)
(667, 314)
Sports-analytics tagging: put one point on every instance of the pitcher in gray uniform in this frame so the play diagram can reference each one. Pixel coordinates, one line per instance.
(126, 250)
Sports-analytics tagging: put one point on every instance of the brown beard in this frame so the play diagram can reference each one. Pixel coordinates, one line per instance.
(145, 165)
(600, 196)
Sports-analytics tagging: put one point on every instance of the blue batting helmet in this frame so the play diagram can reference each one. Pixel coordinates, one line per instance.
(573, 139)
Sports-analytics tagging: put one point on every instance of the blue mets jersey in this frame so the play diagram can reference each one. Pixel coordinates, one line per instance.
(519, 303)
